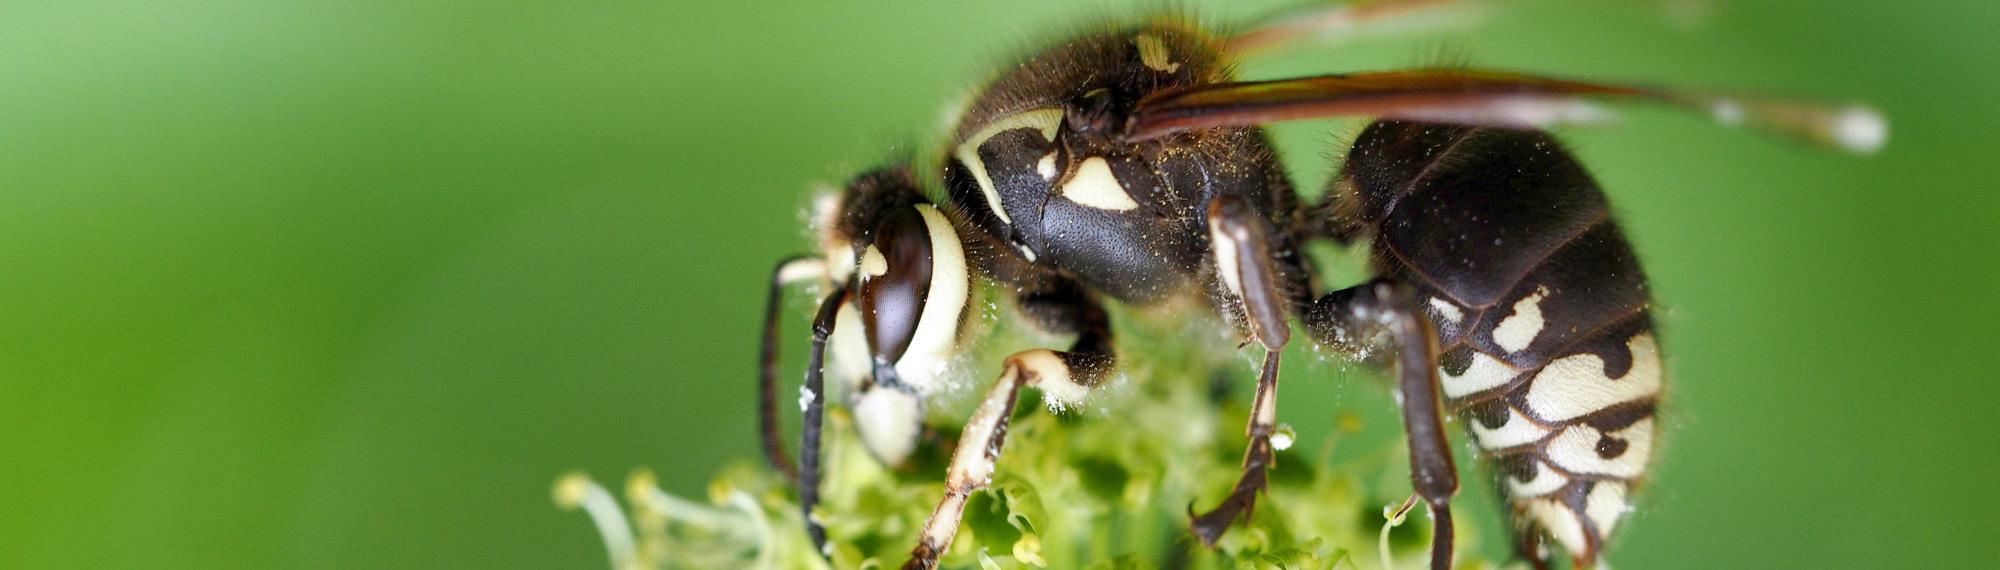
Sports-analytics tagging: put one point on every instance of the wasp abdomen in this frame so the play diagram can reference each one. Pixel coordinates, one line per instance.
(1541, 310)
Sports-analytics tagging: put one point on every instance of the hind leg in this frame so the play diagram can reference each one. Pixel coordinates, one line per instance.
(1249, 271)
(1344, 318)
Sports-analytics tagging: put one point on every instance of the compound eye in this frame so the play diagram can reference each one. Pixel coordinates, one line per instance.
(895, 272)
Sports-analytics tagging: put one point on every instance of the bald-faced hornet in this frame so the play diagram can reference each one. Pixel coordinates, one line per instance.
(1127, 165)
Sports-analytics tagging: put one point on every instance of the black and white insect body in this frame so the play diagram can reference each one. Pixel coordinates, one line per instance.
(1127, 165)
(1040, 161)
(1541, 310)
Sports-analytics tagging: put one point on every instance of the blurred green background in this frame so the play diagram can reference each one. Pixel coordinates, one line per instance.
(346, 283)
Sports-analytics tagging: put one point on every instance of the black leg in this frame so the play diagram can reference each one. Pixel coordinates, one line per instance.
(791, 270)
(1345, 317)
(1246, 267)
(816, 408)
(1065, 377)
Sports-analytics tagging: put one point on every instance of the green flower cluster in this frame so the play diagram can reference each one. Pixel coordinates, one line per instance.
(1103, 486)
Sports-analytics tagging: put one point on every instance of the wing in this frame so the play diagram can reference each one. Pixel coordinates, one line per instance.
(1476, 97)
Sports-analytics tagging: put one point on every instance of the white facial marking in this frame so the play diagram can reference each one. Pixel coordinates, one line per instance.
(1559, 522)
(1451, 313)
(1025, 252)
(1047, 166)
(936, 338)
(1044, 120)
(888, 422)
(1153, 53)
(847, 356)
(1517, 331)
(1486, 373)
(1574, 386)
(872, 263)
(1575, 450)
(1517, 431)
(1094, 185)
(1605, 505)
(1546, 481)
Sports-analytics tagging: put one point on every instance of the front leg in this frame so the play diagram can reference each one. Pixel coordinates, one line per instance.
(1344, 319)
(815, 412)
(1247, 268)
(1065, 377)
(789, 271)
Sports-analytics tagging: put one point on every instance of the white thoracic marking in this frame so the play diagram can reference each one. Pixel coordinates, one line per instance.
(1560, 523)
(1576, 385)
(888, 422)
(1047, 166)
(1153, 53)
(798, 270)
(1044, 120)
(1225, 256)
(936, 337)
(1094, 185)
(1451, 313)
(1053, 377)
(1517, 431)
(1097, 187)
(1518, 330)
(1605, 505)
(1575, 450)
(872, 263)
(1546, 481)
(1486, 373)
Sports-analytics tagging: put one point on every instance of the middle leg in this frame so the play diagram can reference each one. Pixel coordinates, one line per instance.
(1347, 319)
(1248, 270)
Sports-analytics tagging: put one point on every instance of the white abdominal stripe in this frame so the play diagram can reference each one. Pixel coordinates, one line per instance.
(1579, 514)
(1571, 480)
(1569, 438)
(1577, 451)
(1553, 395)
